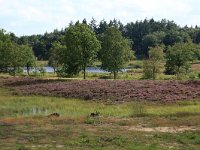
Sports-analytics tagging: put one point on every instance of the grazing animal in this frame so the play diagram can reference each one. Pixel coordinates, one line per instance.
(53, 115)
(95, 114)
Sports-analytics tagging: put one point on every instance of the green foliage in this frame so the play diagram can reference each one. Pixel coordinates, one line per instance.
(28, 57)
(147, 69)
(196, 51)
(4, 36)
(115, 52)
(92, 120)
(177, 59)
(189, 138)
(5, 48)
(174, 36)
(152, 40)
(153, 65)
(56, 55)
(192, 75)
(14, 56)
(21, 147)
(145, 33)
(82, 46)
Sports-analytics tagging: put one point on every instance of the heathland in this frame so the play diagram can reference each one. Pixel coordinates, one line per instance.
(98, 114)
(146, 97)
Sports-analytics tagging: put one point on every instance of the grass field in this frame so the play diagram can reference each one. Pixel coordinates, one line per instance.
(24, 124)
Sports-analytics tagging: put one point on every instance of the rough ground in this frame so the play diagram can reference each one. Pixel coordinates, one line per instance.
(103, 133)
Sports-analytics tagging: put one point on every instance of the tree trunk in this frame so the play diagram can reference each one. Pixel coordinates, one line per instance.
(153, 73)
(28, 70)
(178, 73)
(115, 75)
(14, 71)
(54, 70)
(84, 68)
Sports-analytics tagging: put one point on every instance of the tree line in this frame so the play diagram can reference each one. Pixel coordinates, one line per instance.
(79, 45)
(143, 34)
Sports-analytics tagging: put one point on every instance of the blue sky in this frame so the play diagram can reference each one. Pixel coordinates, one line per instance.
(26, 17)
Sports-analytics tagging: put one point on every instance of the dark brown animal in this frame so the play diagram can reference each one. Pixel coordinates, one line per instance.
(53, 115)
(95, 114)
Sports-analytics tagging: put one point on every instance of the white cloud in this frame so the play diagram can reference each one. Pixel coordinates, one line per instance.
(38, 16)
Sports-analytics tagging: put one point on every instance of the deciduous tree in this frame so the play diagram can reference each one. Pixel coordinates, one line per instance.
(56, 55)
(177, 58)
(153, 65)
(28, 57)
(82, 46)
(115, 51)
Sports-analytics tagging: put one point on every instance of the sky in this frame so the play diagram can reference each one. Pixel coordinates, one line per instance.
(27, 17)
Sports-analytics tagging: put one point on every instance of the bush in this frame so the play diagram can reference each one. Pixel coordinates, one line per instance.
(192, 75)
(151, 69)
(181, 76)
(61, 73)
(92, 120)
(89, 120)
(147, 69)
(13, 72)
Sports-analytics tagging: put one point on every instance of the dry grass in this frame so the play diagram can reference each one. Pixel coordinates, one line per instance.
(196, 67)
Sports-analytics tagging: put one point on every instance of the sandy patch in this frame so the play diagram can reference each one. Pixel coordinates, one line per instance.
(163, 129)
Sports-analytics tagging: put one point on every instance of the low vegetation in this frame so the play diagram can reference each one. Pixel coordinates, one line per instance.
(27, 122)
(107, 90)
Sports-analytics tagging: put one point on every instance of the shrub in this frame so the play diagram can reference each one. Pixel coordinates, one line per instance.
(147, 70)
(89, 120)
(153, 65)
(92, 120)
(61, 72)
(192, 75)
